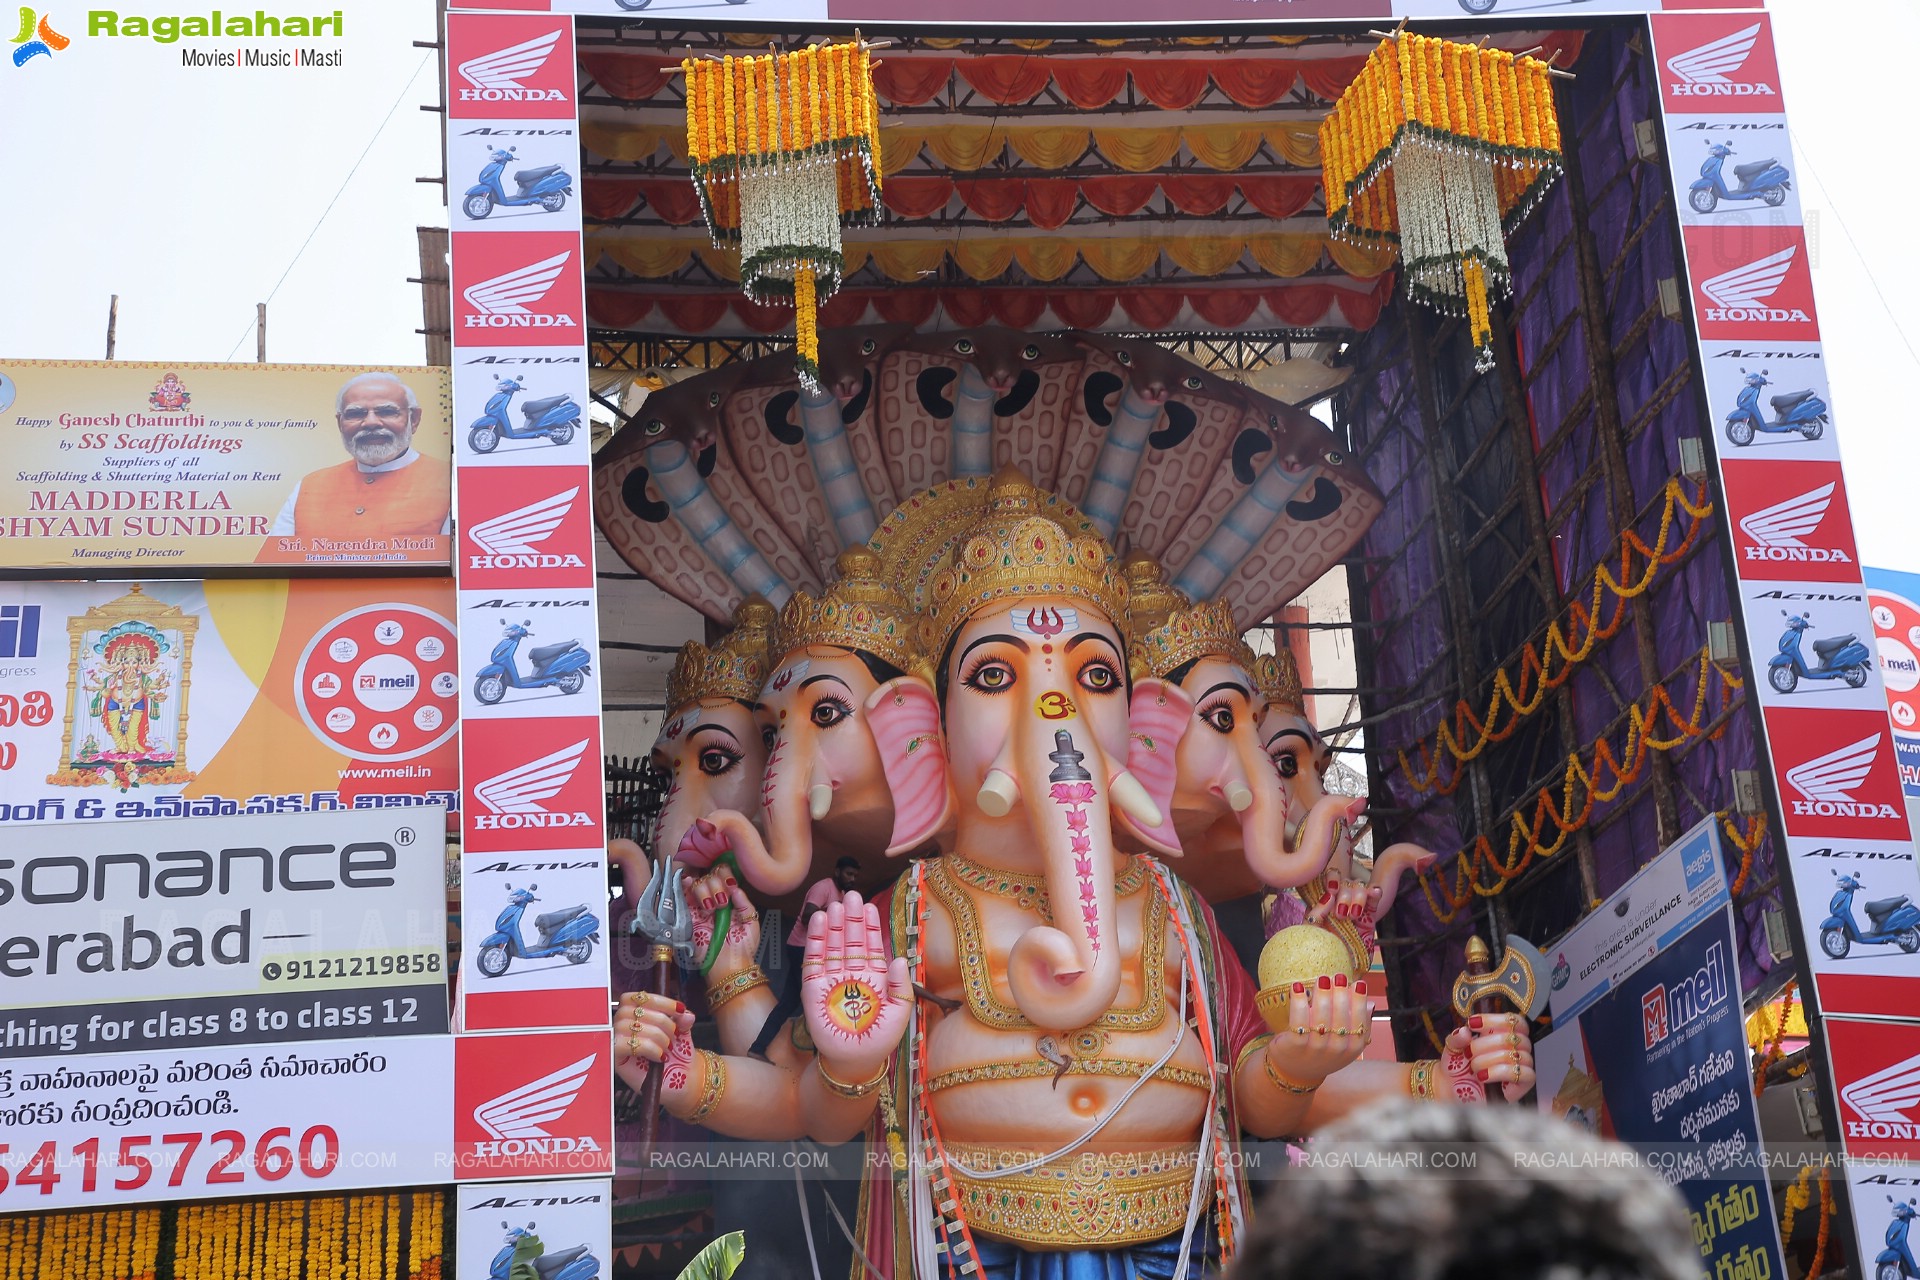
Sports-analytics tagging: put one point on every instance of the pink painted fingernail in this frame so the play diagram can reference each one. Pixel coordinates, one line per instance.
(1326, 983)
(1299, 988)
(1360, 988)
(1475, 1022)
(1340, 980)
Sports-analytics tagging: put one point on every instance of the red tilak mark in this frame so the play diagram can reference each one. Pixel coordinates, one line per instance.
(673, 730)
(782, 680)
(1045, 622)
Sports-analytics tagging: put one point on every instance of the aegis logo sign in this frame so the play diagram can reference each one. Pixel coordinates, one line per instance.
(533, 1105)
(520, 289)
(508, 67)
(1752, 284)
(536, 785)
(1791, 522)
(1836, 774)
(526, 526)
(1716, 63)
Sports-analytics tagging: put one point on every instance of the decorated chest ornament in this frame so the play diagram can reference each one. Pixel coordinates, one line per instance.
(859, 611)
(785, 150)
(1442, 148)
(1165, 630)
(1024, 544)
(736, 667)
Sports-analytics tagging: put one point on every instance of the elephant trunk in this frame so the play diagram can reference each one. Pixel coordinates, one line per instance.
(1284, 864)
(781, 864)
(1066, 975)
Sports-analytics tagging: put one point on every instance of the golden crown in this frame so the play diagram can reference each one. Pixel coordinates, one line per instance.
(860, 611)
(1025, 544)
(1277, 677)
(1193, 631)
(734, 668)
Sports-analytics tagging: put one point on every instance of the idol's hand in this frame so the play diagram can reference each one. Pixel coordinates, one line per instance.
(856, 1000)
(1343, 900)
(1492, 1047)
(649, 1029)
(1331, 1025)
(706, 895)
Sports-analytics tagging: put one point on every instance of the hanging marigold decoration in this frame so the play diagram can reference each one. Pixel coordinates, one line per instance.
(1442, 148)
(785, 151)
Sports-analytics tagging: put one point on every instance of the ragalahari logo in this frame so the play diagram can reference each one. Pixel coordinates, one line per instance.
(501, 302)
(1705, 70)
(496, 76)
(1742, 293)
(1884, 1102)
(510, 541)
(1779, 531)
(1826, 783)
(513, 798)
(36, 37)
(517, 1120)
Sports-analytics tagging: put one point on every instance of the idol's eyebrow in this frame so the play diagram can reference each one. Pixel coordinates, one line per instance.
(817, 679)
(997, 638)
(1090, 635)
(1284, 733)
(1232, 686)
(714, 728)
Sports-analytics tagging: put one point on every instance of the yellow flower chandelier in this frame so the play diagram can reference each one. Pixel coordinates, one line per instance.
(785, 151)
(1441, 149)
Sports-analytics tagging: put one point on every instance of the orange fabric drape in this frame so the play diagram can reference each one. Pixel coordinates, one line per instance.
(910, 82)
(1119, 195)
(1254, 83)
(632, 79)
(1153, 308)
(995, 199)
(918, 195)
(1224, 308)
(610, 197)
(1329, 77)
(1222, 146)
(1005, 78)
(675, 201)
(1090, 83)
(615, 310)
(1170, 85)
(695, 312)
(1139, 150)
(1279, 195)
(1050, 201)
(1200, 195)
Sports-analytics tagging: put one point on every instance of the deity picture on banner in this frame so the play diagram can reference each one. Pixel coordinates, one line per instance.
(126, 704)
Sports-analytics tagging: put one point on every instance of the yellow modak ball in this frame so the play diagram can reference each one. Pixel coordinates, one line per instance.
(1302, 953)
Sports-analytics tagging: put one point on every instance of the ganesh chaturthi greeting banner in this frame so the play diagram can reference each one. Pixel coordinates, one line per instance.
(185, 467)
(206, 698)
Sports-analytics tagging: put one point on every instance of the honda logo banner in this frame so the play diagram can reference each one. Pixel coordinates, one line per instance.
(533, 1105)
(534, 872)
(1876, 1070)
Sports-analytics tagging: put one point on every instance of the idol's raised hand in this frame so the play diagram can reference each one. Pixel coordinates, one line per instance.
(855, 998)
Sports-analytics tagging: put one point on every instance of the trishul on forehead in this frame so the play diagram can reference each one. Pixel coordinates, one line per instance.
(734, 668)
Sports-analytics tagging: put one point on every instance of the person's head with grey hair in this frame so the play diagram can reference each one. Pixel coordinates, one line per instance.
(377, 415)
(1419, 1191)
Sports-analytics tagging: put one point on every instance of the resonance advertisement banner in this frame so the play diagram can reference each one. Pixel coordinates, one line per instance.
(151, 936)
(179, 699)
(184, 467)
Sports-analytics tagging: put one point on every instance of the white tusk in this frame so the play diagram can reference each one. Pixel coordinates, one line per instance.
(998, 793)
(819, 800)
(1239, 798)
(1132, 799)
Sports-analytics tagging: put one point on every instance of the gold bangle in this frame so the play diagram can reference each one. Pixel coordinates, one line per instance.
(1289, 1086)
(1253, 1046)
(713, 1085)
(735, 987)
(1420, 1079)
(841, 1088)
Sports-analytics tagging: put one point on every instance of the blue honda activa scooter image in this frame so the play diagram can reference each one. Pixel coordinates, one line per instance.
(1895, 1262)
(1764, 180)
(546, 185)
(570, 933)
(568, 1264)
(564, 666)
(1840, 657)
(551, 418)
(1894, 921)
(1800, 411)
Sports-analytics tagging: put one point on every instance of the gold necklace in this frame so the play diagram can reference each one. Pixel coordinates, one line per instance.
(1028, 891)
(970, 945)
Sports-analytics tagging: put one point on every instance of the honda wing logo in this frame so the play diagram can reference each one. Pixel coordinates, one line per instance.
(509, 541)
(1742, 293)
(1826, 783)
(514, 797)
(1703, 71)
(1777, 531)
(1883, 1100)
(516, 1119)
(501, 303)
(496, 76)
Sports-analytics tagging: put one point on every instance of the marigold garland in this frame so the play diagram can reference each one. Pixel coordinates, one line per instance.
(1778, 1033)
(1441, 148)
(785, 150)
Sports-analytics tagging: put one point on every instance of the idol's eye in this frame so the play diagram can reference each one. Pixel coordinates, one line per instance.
(964, 346)
(1193, 382)
(868, 346)
(989, 675)
(829, 712)
(1030, 351)
(1288, 766)
(715, 761)
(713, 399)
(767, 735)
(1219, 715)
(1099, 677)
(1124, 357)
(655, 426)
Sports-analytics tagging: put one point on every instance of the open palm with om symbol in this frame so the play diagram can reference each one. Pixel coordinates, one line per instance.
(856, 999)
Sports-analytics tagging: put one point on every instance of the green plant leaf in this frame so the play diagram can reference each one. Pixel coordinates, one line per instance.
(718, 1260)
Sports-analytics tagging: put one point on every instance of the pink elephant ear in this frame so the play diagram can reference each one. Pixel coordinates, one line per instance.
(904, 716)
(1156, 718)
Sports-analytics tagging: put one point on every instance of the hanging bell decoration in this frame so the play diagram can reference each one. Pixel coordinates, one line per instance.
(785, 151)
(1442, 148)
